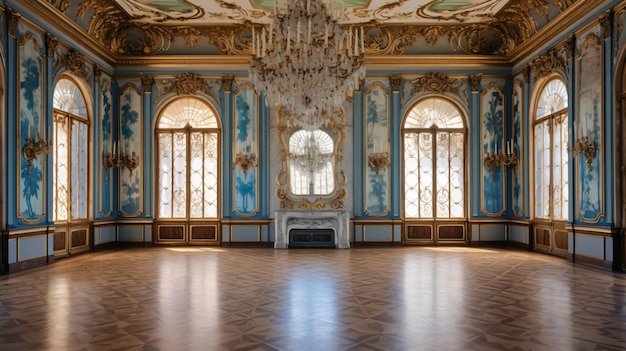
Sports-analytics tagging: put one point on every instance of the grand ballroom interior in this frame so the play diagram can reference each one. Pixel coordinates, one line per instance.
(312, 174)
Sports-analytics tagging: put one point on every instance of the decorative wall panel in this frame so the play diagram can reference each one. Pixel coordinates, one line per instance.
(517, 178)
(245, 151)
(31, 192)
(106, 146)
(492, 132)
(589, 117)
(130, 143)
(376, 150)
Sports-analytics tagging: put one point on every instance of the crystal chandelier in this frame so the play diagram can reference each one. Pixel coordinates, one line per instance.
(306, 62)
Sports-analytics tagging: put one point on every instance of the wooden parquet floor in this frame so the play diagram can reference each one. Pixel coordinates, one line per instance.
(408, 298)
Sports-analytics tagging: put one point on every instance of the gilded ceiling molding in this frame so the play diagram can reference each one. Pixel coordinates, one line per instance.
(13, 19)
(111, 27)
(606, 22)
(51, 45)
(147, 82)
(474, 81)
(548, 63)
(61, 5)
(229, 40)
(390, 40)
(240, 13)
(74, 62)
(381, 13)
(564, 4)
(227, 83)
(395, 81)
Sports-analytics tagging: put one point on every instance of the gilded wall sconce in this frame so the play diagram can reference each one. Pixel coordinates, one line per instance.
(587, 148)
(378, 160)
(506, 159)
(121, 160)
(244, 161)
(32, 148)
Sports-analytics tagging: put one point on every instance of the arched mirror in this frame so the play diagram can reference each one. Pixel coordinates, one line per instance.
(311, 176)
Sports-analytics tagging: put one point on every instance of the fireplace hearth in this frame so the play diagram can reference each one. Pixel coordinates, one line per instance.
(307, 228)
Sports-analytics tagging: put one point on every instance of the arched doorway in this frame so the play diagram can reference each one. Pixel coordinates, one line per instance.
(434, 167)
(70, 180)
(188, 170)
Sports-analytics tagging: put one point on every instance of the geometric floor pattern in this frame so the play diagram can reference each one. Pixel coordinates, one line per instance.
(406, 298)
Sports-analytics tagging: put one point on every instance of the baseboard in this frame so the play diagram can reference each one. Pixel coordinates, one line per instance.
(28, 264)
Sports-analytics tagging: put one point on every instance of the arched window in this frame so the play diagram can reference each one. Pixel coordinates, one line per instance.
(188, 139)
(550, 130)
(434, 158)
(71, 138)
(311, 155)
(70, 179)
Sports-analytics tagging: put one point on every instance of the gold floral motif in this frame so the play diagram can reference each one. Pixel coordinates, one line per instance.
(187, 84)
(227, 83)
(230, 41)
(548, 63)
(435, 82)
(74, 62)
(564, 4)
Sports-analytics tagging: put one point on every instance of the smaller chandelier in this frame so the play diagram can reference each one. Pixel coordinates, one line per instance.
(306, 62)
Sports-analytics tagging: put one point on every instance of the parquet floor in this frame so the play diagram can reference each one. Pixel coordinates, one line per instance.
(409, 298)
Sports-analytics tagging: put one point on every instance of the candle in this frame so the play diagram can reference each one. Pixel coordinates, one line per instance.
(362, 40)
(253, 42)
(308, 38)
(298, 32)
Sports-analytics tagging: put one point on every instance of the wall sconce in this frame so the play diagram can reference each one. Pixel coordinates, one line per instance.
(583, 146)
(244, 158)
(120, 159)
(32, 148)
(495, 160)
(378, 160)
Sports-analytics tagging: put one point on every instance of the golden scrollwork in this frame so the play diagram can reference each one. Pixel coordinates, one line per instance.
(606, 22)
(548, 63)
(61, 5)
(227, 83)
(584, 146)
(435, 82)
(230, 40)
(564, 4)
(187, 84)
(74, 62)
(111, 26)
(395, 81)
(147, 82)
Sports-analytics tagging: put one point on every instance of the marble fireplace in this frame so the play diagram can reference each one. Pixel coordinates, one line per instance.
(337, 220)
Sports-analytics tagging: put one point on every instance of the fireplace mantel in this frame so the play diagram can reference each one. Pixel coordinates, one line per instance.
(338, 220)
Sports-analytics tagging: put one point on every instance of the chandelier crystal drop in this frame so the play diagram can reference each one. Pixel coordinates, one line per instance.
(306, 63)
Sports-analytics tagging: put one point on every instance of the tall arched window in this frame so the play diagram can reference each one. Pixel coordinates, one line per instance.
(434, 170)
(188, 163)
(71, 167)
(311, 155)
(550, 170)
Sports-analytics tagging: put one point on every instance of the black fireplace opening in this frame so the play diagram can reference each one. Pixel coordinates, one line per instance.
(303, 237)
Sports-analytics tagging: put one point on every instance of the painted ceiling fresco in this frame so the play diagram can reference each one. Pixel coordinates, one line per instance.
(392, 27)
(207, 12)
